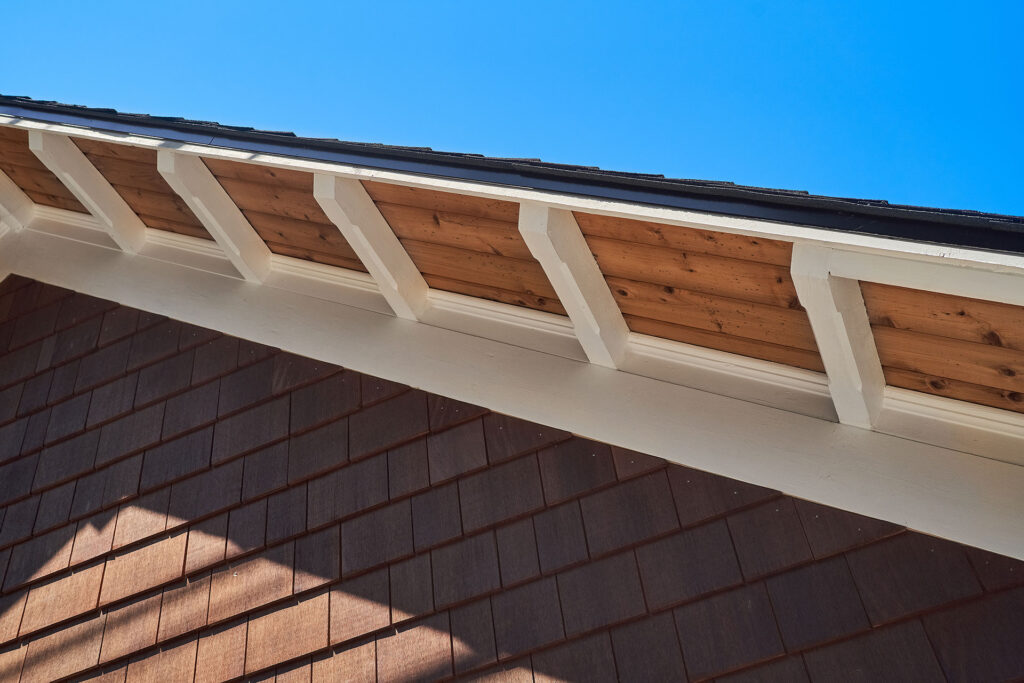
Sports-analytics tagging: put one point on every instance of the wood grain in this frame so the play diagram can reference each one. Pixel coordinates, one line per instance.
(495, 294)
(274, 199)
(280, 206)
(443, 201)
(943, 315)
(456, 230)
(56, 201)
(132, 171)
(686, 239)
(484, 269)
(315, 256)
(265, 175)
(27, 172)
(800, 358)
(747, 280)
(141, 155)
(951, 388)
(982, 364)
(782, 326)
(301, 234)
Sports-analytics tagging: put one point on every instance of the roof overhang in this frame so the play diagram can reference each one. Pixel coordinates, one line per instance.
(947, 467)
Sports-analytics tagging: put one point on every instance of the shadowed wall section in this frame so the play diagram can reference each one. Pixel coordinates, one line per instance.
(176, 504)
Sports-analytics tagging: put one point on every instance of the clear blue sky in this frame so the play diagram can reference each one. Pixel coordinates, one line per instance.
(914, 102)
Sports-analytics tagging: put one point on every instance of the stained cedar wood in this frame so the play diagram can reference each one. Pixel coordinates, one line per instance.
(467, 245)
(809, 360)
(133, 174)
(728, 292)
(952, 388)
(951, 346)
(280, 206)
(26, 171)
(714, 313)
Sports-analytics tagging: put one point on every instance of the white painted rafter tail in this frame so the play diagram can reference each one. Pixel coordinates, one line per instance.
(351, 209)
(59, 154)
(189, 177)
(555, 240)
(15, 206)
(839, 320)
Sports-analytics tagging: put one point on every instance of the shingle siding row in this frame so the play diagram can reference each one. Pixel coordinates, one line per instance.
(180, 505)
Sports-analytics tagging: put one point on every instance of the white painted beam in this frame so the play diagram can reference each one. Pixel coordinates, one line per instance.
(839, 320)
(59, 154)
(934, 490)
(189, 177)
(15, 206)
(351, 209)
(555, 240)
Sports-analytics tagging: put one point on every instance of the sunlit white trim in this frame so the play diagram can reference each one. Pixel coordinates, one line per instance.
(15, 206)
(555, 240)
(350, 208)
(836, 310)
(189, 177)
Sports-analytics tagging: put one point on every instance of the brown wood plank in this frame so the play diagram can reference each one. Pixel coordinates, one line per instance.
(800, 358)
(956, 317)
(686, 239)
(265, 175)
(55, 201)
(514, 275)
(326, 239)
(315, 256)
(951, 388)
(983, 364)
(504, 296)
(20, 154)
(13, 134)
(456, 230)
(30, 178)
(747, 280)
(168, 206)
(141, 155)
(714, 313)
(131, 174)
(443, 201)
(278, 201)
(173, 226)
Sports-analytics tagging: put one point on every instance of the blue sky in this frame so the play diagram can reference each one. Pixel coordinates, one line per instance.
(914, 102)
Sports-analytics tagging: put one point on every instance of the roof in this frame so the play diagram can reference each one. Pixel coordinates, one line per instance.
(866, 216)
(639, 325)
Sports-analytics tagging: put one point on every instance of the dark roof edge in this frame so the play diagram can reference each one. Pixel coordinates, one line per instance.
(937, 226)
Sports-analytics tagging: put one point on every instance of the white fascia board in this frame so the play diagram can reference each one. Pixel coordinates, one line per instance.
(848, 242)
(972, 280)
(15, 206)
(351, 209)
(836, 311)
(960, 425)
(729, 374)
(554, 239)
(59, 154)
(191, 180)
(935, 490)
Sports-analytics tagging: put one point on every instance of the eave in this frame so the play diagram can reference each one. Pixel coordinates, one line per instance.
(942, 466)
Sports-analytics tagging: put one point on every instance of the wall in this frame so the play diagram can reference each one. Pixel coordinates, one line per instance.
(180, 505)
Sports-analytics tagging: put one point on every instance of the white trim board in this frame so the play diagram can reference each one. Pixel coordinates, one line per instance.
(935, 490)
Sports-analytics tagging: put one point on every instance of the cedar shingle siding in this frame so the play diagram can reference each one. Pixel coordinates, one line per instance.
(180, 505)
